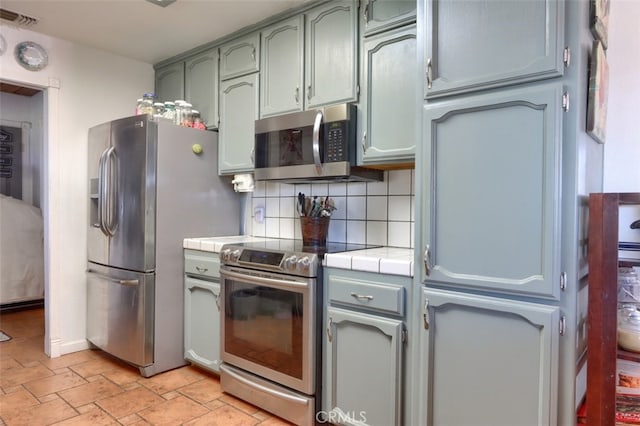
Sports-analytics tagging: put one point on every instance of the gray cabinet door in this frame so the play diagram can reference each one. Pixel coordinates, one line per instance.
(170, 82)
(364, 368)
(473, 45)
(201, 85)
(240, 57)
(281, 67)
(238, 113)
(496, 360)
(381, 15)
(387, 114)
(202, 323)
(331, 54)
(491, 207)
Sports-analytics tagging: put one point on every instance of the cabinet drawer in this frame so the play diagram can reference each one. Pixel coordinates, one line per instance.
(385, 298)
(205, 265)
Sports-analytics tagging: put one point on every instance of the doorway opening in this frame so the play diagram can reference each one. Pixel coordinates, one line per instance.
(22, 220)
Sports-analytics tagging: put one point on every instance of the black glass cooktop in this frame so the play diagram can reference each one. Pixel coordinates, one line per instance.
(291, 245)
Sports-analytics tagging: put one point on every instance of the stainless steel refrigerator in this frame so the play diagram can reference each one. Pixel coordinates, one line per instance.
(151, 184)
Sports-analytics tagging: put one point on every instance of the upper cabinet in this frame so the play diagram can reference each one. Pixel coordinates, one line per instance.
(387, 113)
(240, 56)
(381, 15)
(238, 112)
(331, 54)
(281, 67)
(201, 85)
(474, 45)
(309, 60)
(194, 80)
(170, 82)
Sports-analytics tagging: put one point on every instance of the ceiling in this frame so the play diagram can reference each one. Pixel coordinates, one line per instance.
(141, 30)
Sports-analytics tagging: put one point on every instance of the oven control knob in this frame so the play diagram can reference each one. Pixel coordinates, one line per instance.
(290, 263)
(234, 255)
(225, 254)
(303, 264)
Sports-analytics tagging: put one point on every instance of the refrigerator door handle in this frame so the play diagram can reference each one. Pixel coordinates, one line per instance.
(111, 176)
(114, 280)
(102, 196)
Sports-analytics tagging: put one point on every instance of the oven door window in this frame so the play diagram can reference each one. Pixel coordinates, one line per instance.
(264, 325)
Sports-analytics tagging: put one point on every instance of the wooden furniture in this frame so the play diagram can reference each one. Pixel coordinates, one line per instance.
(602, 336)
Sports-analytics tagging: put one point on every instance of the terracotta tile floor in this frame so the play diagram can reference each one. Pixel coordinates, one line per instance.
(90, 387)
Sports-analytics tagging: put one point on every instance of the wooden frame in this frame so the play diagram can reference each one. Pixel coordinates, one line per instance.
(600, 21)
(602, 343)
(598, 94)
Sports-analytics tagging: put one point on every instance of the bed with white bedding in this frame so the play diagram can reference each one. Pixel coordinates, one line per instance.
(21, 252)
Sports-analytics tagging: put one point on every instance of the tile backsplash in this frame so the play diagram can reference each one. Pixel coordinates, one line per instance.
(367, 213)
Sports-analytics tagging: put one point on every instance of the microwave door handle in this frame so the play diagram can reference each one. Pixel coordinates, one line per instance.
(316, 142)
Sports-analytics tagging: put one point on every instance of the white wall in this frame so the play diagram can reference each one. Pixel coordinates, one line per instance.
(84, 87)
(622, 148)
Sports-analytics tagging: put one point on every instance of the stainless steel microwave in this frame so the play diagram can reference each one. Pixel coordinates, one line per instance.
(314, 145)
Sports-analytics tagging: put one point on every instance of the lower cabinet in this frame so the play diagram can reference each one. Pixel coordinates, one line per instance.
(364, 348)
(202, 323)
(364, 368)
(487, 360)
(202, 310)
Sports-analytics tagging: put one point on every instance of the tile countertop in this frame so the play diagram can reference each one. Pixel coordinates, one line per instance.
(214, 244)
(381, 260)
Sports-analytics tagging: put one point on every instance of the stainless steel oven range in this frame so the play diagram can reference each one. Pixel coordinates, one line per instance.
(271, 320)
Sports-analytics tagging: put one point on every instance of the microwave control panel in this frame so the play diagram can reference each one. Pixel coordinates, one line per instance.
(335, 142)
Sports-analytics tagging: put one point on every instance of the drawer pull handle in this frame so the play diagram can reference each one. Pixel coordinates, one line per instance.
(427, 261)
(361, 296)
(425, 314)
(217, 296)
(199, 269)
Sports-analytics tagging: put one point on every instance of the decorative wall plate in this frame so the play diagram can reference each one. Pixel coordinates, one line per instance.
(31, 55)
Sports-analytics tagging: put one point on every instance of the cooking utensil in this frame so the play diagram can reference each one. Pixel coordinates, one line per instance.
(301, 203)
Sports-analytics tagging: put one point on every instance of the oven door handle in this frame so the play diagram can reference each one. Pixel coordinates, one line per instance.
(265, 389)
(262, 280)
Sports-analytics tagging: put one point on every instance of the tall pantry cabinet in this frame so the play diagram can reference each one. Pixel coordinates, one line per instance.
(506, 168)
(239, 103)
